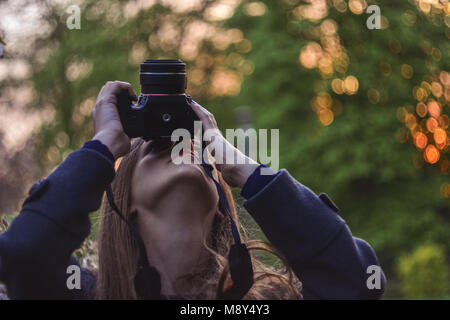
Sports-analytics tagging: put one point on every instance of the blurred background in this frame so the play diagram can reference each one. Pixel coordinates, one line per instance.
(363, 114)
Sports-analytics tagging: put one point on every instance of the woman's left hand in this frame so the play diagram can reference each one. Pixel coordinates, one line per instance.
(235, 171)
(107, 126)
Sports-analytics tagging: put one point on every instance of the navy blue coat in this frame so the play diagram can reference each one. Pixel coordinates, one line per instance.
(37, 248)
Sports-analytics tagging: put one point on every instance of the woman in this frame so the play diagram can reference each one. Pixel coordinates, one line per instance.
(186, 234)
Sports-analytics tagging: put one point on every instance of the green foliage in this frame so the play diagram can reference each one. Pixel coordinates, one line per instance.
(358, 159)
(425, 273)
(5, 221)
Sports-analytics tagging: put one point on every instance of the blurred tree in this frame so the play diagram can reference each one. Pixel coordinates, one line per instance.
(17, 170)
(339, 93)
(5, 221)
(424, 273)
(115, 37)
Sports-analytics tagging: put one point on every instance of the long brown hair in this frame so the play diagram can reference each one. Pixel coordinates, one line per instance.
(119, 254)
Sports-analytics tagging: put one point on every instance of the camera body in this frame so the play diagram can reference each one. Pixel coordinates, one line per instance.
(155, 116)
(162, 106)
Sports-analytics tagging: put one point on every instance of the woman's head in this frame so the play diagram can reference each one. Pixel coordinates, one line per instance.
(158, 185)
(159, 197)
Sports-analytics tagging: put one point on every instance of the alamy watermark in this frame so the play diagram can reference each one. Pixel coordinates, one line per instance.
(374, 280)
(374, 20)
(74, 19)
(73, 281)
(251, 142)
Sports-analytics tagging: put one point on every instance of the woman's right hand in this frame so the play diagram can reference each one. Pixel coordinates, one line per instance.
(107, 126)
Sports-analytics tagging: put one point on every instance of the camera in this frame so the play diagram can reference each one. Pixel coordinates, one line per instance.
(163, 105)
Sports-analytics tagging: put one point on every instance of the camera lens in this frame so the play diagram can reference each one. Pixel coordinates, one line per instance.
(163, 77)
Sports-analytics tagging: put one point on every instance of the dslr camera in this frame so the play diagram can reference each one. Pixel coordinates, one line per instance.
(163, 105)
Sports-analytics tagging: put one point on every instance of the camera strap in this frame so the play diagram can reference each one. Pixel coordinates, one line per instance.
(239, 260)
(147, 281)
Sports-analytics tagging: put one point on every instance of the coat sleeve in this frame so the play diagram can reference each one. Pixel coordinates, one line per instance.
(36, 250)
(306, 229)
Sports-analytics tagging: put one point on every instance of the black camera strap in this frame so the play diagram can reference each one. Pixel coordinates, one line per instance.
(148, 281)
(239, 260)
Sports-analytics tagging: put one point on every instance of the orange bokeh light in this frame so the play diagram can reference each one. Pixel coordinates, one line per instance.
(444, 121)
(445, 78)
(445, 190)
(434, 109)
(328, 27)
(429, 124)
(436, 89)
(338, 86)
(431, 154)
(421, 109)
(440, 136)
(407, 71)
(309, 56)
(410, 120)
(357, 6)
(324, 100)
(432, 124)
(420, 140)
(351, 85)
(420, 93)
(326, 116)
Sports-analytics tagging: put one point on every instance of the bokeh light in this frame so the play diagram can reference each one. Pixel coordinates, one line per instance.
(326, 117)
(436, 89)
(407, 71)
(373, 95)
(445, 190)
(432, 134)
(420, 140)
(255, 9)
(421, 109)
(338, 86)
(357, 6)
(310, 55)
(440, 136)
(431, 154)
(385, 68)
(314, 11)
(420, 93)
(432, 124)
(351, 85)
(430, 128)
(433, 109)
(444, 121)
(325, 108)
